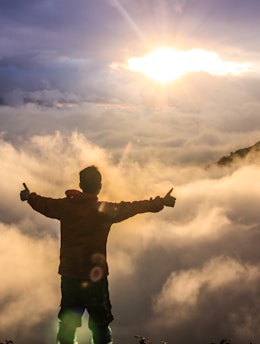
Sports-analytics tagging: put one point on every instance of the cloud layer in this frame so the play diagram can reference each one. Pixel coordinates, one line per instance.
(188, 272)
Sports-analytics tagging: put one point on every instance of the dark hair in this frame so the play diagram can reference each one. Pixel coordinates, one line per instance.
(90, 179)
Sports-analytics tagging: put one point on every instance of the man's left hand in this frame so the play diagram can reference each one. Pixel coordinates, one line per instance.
(169, 200)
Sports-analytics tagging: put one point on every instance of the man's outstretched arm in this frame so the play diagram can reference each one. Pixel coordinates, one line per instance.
(47, 206)
(123, 210)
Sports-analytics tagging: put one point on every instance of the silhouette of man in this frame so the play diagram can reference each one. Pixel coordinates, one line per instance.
(85, 223)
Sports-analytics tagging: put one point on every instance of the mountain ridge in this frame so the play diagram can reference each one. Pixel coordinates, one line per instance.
(251, 154)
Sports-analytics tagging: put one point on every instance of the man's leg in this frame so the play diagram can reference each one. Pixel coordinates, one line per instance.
(71, 310)
(100, 316)
(101, 334)
(66, 333)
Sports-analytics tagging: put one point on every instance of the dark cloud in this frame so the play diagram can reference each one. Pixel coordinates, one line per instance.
(60, 16)
(197, 120)
(62, 53)
(114, 30)
(60, 27)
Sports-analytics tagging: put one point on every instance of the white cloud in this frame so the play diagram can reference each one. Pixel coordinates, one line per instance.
(29, 286)
(183, 258)
(181, 293)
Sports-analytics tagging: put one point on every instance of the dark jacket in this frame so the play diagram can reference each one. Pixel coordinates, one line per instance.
(85, 224)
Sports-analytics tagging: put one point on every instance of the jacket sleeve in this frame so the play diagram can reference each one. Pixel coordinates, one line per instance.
(49, 207)
(123, 210)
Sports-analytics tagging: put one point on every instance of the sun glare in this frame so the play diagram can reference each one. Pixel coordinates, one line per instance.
(167, 64)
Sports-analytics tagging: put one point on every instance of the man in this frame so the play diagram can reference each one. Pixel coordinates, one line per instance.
(85, 224)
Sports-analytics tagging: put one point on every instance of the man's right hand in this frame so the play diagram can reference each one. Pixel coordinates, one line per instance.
(24, 193)
(169, 200)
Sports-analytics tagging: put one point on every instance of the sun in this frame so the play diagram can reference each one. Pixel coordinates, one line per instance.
(162, 65)
(168, 64)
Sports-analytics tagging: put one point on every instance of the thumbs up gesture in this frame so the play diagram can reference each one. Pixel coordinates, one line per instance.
(24, 193)
(169, 200)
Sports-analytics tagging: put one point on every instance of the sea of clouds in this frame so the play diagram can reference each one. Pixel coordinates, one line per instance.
(191, 272)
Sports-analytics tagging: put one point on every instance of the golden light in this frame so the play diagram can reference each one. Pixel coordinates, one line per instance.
(167, 64)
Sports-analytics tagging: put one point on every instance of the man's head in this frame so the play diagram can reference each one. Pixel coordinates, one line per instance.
(90, 180)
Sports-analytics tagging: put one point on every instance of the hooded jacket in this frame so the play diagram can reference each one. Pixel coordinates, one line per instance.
(85, 225)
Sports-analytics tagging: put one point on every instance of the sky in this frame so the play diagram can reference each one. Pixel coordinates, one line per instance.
(153, 92)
